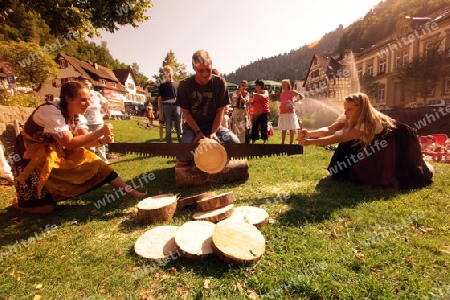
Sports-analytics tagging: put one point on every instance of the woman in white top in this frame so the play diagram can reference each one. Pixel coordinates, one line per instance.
(53, 164)
(373, 148)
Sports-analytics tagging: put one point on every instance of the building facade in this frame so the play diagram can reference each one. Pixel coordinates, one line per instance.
(381, 68)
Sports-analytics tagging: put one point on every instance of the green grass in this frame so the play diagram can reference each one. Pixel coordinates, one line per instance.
(318, 245)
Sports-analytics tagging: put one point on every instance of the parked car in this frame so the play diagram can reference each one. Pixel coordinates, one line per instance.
(133, 108)
(438, 102)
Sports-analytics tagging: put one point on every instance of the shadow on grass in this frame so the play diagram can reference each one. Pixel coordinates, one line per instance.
(331, 195)
(17, 225)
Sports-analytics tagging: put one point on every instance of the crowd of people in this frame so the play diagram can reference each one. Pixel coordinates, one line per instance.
(55, 162)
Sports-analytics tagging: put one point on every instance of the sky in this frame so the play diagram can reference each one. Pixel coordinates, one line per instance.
(234, 32)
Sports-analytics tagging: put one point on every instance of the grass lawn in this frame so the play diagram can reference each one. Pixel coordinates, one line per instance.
(327, 239)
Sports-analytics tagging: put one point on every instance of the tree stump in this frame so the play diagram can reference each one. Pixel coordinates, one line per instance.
(157, 243)
(238, 242)
(187, 201)
(194, 239)
(157, 208)
(214, 215)
(235, 170)
(209, 156)
(253, 215)
(216, 201)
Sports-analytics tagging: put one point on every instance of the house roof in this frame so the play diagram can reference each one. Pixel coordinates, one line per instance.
(93, 71)
(122, 74)
(331, 63)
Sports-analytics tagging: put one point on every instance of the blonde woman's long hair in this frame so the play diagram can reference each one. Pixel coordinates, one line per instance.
(368, 116)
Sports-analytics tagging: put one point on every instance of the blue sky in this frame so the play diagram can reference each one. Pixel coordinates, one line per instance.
(234, 32)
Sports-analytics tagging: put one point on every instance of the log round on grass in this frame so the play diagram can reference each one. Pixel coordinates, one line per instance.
(216, 201)
(157, 208)
(157, 243)
(209, 156)
(251, 214)
(214, 215)
(194, 239)
(238, 242)
(186, 201)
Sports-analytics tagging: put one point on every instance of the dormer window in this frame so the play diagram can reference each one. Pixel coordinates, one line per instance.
(63, 64)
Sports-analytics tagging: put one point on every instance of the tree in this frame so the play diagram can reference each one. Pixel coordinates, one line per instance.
(141, 79)
(85, 16)
(32, 66)
(179, 70)
(420, 76)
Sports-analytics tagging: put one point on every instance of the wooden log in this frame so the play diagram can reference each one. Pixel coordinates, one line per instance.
(194, 239)
(238, 242)
(253, 215)
(157, 243)
(214, 215)
(235, 170)
(187, 201)
(157, 208)
(216, 201)
(209, 156)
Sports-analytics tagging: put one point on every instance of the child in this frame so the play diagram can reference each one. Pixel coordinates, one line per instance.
(226, 121)
(150, 115)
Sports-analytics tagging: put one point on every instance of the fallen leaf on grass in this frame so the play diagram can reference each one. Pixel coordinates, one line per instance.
(356, 249)
(409, 260)
(253, 295)
(238, 287)
(359, 257)
(119, 253)
(173, 271)
(206, 283)
(39, 286)
(340, 227)
(446, 249)
(182, 292)
(38, 297)
(146, 295)
(424, 230)
(333, 236)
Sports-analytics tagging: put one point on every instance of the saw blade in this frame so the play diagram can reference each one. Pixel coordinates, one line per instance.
(185, 151)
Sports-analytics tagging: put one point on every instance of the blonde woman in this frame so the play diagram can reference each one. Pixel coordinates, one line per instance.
(373, 149)
(287, 120)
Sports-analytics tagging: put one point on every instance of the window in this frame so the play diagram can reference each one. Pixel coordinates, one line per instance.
(398, 61)
(405, 58)
(381, 90)
(49, 98)
(447, 85)
(369, 70)
(62, 63)
(431, 48)
(382, 67)
(431, 88)
(360, 72)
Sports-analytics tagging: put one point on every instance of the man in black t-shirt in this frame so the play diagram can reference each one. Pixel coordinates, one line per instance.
(203, 98)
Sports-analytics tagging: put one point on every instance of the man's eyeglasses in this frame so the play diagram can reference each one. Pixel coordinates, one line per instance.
(201, 71)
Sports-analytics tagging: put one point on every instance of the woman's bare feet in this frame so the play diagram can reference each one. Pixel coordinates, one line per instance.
(40, 210)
